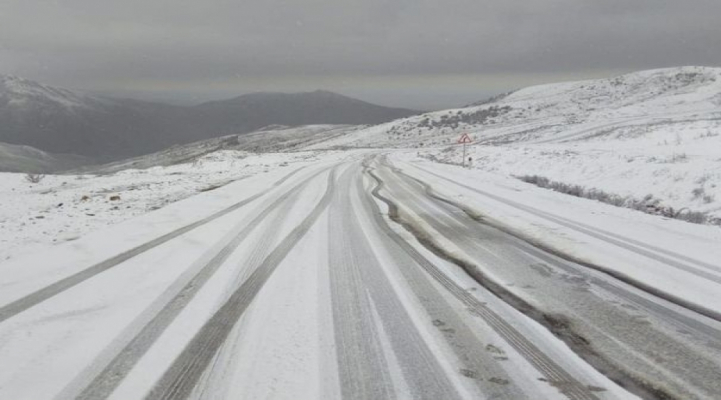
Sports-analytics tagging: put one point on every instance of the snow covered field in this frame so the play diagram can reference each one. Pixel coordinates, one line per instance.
(62, 208)
(680, 168)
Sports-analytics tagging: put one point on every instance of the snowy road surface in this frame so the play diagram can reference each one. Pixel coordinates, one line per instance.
(356, 277)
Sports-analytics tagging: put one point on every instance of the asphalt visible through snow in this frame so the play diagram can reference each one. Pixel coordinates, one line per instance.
(350, 280)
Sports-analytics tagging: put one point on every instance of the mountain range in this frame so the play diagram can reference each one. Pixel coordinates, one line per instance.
(634, 105)
(58, 120)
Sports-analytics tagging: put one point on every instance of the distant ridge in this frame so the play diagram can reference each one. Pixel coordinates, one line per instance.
(254, 111)
(18, 158)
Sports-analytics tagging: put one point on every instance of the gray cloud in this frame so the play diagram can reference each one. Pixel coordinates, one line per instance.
(215, 48)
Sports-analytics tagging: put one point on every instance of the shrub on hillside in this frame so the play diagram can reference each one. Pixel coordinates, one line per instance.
(34, 178)
(648, 204)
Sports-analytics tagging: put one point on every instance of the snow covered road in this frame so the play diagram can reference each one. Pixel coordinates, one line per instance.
(350, 278)
(629, 329)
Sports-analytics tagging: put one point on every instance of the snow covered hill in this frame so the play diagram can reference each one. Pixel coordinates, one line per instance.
(621, 107)
(272, 139)
(652, 135)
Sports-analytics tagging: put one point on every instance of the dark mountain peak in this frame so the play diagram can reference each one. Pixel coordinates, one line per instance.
(21, 93)
(265, 97)
(311, 102)
(327, 93)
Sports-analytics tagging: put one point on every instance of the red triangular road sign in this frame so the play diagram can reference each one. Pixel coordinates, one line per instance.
(465, 139)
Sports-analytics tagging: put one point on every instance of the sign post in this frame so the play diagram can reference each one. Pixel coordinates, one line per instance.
(464, 140)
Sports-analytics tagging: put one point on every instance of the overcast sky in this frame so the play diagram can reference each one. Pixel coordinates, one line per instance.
(413, 53)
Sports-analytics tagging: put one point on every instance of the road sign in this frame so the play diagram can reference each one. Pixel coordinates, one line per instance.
(465, 139)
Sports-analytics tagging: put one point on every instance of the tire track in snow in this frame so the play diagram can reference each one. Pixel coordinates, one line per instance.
(361, 290)
(620, 333)
(692, 372)
(362, 367)
(17, 306)
(630, 295)
(552, 371)
(608, 282)
(113, 372)
(623, 242)
(478, 364)
(225, 360)
(181, 378)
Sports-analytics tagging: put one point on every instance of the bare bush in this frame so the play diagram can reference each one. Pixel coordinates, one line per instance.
(709, 133)
(695, 217)
(677, 158)
(700, 193)
(34, 178)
